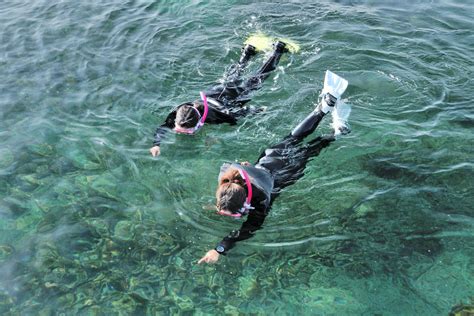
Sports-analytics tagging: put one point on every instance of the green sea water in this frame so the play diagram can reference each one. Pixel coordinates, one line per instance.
(382, 222)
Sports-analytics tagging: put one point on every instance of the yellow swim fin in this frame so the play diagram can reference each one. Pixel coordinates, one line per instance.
(264, 42)
(292, 46)
(260, 41)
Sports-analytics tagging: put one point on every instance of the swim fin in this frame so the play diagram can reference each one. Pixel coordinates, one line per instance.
(340, 119)
(264, 42)
(334, 85)
(260, 41)
(292, 46)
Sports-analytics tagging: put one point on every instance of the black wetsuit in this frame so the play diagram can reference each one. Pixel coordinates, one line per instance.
(226, 101)
(283, 164)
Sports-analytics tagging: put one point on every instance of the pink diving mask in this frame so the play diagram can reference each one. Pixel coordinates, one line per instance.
(201, 121)
(244, 210)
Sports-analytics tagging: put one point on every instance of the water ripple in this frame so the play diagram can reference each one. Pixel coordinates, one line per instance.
(91, 222)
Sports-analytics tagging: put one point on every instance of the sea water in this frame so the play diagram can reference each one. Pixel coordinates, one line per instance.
(91, 224)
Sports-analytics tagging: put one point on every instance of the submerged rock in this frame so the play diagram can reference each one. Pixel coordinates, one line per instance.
(44, 204)
(142, 295)
(125, 305)
(62, 166)
(452, 272)
(124, 231)
(42, 171)
(247, 285)
(31, 179)
(463, 309)
(14, 205)
(6, 302)
(231, 310)
(105, 185)
(331, 301)
(185, 304)
(362, 210)
(5, 251)
(81, 160)
(4, 187)
(28, 221)
(82, 181)
(47, 256)
(65, 187)
(93, 310)
(6, 158)
(43, 149)
(134, 193)
(98, 227)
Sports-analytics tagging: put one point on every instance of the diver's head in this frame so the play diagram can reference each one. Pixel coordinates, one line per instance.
(187, 116)
(230, 199)
(231, 194)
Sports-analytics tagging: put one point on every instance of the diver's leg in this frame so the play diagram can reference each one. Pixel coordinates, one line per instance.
(287, 160)
(294, 170)
(247, 52)
(314, 147)
(254, 82)
(305, 128)
(231, 88)
(308, 125)
(273, 60)
(235, 70)
(234, 92)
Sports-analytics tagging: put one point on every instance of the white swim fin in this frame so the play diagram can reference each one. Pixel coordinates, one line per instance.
(334, 87)
(334, 84)
(340, 118)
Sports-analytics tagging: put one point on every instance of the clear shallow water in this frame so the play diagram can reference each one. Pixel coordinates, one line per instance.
(382, 223)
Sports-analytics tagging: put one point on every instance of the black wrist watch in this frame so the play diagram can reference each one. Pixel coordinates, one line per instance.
(220, 249)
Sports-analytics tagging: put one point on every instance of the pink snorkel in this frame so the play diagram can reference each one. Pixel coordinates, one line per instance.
(246, 207)
(246, 177)
(202, 118)
(206, 108)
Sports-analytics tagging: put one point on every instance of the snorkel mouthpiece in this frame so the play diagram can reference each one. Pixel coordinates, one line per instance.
(235, 215)
(244, 210)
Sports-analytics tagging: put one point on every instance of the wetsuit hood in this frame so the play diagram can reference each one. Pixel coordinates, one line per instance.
(260, 179)
(201, 120)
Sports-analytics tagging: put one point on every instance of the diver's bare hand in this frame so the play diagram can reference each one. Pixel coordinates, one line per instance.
(155, 151)
(211, 257)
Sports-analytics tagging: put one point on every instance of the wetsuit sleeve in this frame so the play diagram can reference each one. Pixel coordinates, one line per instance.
(253, 223)
(163, 129)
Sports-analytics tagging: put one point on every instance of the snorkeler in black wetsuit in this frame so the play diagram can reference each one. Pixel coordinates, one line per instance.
(223, 103)
(246, 189)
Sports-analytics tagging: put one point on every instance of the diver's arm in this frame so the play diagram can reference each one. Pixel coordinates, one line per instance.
(253, 223)
(161, 131)
(210, 257)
